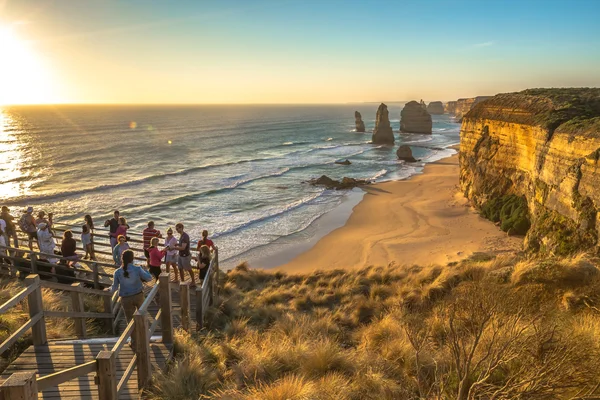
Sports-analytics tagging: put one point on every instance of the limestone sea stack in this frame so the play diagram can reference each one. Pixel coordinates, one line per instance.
(415, 119)
(405, 153)
(531, 162)
(383, 134)
(360, 125)
(450, 107)
(435, 108)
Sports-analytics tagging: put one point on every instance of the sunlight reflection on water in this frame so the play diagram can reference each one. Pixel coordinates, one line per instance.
(11, 160)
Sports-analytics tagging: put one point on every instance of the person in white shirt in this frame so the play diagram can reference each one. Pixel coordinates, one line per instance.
(171, 257)
(46, 241)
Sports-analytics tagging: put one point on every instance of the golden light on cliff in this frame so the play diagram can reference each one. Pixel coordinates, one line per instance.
(23, 77)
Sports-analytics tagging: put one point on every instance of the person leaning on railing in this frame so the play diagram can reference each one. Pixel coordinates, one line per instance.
(129, 280)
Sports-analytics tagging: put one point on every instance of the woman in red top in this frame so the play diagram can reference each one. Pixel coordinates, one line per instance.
(122, 228)
(155, 257)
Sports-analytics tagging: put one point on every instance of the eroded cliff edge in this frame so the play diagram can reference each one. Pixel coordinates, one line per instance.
(543, 146)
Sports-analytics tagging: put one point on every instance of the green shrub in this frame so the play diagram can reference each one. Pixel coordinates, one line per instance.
(511, 211)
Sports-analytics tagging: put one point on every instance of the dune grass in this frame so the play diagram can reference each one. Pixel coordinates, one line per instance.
(483, 328)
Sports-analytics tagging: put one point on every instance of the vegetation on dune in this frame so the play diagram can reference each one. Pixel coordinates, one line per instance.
(482, 328)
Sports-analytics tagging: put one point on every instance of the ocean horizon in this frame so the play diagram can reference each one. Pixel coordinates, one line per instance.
(239, 171)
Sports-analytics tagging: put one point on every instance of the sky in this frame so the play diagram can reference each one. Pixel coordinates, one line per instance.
(291, 51)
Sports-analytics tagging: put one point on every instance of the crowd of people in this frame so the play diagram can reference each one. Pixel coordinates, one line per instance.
(175, 253)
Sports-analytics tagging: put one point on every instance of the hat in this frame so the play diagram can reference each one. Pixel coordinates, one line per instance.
(42, 225)
(29, 209)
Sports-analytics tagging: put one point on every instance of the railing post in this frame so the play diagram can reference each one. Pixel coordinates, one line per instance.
(36, 305)
(77, 300)
(184, 302)
(142, 349)
(106, 375)
(20, 386)
(33, 258)
(216, 281)
(96, 275)
(210, 278)
(106, 300)
(166, 318)
(199, 311)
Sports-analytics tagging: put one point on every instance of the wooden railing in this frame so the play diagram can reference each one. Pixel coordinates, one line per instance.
(37, 314)
(205, 293)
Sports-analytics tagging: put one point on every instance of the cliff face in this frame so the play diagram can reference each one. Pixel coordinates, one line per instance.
(544, 146)
(382, 134)
(435, 108)
(415, 119)
(360, 125)
(463, 106)
(450, 107)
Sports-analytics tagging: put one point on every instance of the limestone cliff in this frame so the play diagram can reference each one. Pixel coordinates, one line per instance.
(463, 106)
(415, 119)
(541, 145)
(450, 107)
(382, 134)
(360, 125)
(435, 108)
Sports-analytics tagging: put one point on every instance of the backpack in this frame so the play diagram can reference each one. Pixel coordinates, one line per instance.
(25, 223)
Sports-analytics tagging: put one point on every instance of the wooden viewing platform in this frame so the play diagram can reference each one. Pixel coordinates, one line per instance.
(101, 368)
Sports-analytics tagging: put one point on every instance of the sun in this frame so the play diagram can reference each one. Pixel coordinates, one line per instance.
(23, 77)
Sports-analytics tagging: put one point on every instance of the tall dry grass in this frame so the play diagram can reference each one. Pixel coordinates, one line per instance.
(484, 328)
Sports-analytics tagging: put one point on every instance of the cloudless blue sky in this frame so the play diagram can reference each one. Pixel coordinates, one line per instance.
(308, 51)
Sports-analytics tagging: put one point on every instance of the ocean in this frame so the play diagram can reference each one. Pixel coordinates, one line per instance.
(238, 171)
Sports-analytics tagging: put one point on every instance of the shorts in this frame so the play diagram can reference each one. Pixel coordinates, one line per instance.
(171, 258)
(185, 262)
(155, 271)
(32, 235)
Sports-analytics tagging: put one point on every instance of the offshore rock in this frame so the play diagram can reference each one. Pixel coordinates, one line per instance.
(345, 183)
(450, 107)
(463, 106)
(346, 162)
(435, 108)
(415, 119)
(360, 125)
(536, 154)
(405, 153)
(383, 134)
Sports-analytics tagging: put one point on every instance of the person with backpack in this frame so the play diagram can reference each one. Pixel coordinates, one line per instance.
(27, 225)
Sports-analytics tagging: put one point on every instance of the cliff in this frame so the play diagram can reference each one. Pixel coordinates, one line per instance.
(360, 125)
(450, 107)
(463, 106)
(536, 153)
(415, 119)
(382, 134)
(435, 108)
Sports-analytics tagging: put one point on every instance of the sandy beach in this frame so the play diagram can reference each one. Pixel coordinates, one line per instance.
(422, 220)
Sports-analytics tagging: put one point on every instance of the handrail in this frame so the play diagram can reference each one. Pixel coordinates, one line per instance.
(17, 298)
(96, 228)
(77, 314)
(155, 323)
(65, 375)
(68, 288)
(127, 374)
(20, 332)
(148, 299)
(123, 338)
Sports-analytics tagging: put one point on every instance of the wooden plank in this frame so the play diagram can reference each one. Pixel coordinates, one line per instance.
(127, 374)
(107, 379)
(17, 298)
(77, 304)
(66, 375)
(149, 298)
(78, 289)
(20, 386)
(20, 332)
(124, 336)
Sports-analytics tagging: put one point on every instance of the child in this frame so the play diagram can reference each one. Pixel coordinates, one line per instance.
(203, 261)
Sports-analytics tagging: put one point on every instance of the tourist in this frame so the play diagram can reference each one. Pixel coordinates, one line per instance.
(3, 238)
(10, 230)
(46, 241)
(155, 257)
(27, 225)
(185, 257)
(41, 219)
(205, 241)
(129, 280)
(86, 242)
(203, 261)
(147, 235)
(68, 247)
(122, 228)
(171, 258)
(113, 224)
(119, 249)
(90, 224)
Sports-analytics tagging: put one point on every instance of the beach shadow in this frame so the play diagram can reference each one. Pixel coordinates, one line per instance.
(371, 190)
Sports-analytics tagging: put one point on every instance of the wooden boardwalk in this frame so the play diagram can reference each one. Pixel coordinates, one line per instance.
(53, 357)
(101, 368)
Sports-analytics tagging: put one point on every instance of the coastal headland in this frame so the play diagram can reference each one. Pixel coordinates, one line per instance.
(422, 220)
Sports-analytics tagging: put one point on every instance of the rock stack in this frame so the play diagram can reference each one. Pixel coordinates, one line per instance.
(405, 153)
(435, 108)
(450, 107)
(383, 134)
(415, 119)
(360, 125)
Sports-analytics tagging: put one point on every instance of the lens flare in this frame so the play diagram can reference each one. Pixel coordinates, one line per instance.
(132, 125)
